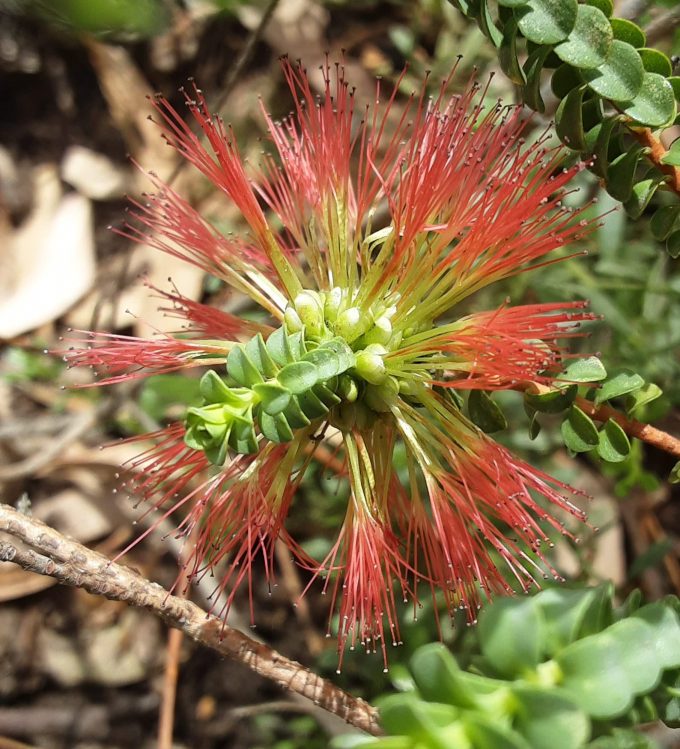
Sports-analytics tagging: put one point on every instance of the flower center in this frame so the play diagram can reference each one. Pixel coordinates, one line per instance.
(327, 361)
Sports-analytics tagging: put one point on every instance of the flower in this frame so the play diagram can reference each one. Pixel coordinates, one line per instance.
(366, 232)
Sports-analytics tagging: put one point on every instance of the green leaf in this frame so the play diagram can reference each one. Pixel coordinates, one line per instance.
(295, 416)
(507, 54)
(601, 147)
(564, 611)
(614, 445)
(620, 77)
(664, 621)
(275, 428)
(512, 633)
(606, 6)
(569, 119)
(512, 3)
(673, 244)
(643, 395)
(654, 104)
(654, 61)
(531, 91)
(488, 732)
(488, 25)
(589, 41)
(564, 79)
(241, 368)
(628, 32)
(672, 157)
(674, 476)
(642, 194)
(403, 714)
(273, 397)
(674, 80)
(242, 437)
(311, 405)
(621, 174)
(257, 352)
(485, 413)
(213, 388)
(553, 402)
(622, 383)
(590, 369)
(548, 719)
(298, 376)
(534, 427)
(547, 21)
(438, 676)
(579, 431)
(604, 672)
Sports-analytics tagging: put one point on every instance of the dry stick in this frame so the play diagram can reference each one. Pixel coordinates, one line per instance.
(71, 563)
(166, 716)
(645, 432)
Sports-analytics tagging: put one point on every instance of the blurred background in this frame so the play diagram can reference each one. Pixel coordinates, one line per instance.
(78, 672)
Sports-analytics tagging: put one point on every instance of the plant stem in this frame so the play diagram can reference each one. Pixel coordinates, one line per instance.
(73, 564)
(645, 432)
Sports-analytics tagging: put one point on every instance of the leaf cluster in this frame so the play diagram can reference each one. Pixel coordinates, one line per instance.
(280, 385)
(553, 671)
(611, 89)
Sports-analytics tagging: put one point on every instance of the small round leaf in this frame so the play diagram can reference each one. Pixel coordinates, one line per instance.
(590, 369)
(547, 21)
(626, 31)
(620, 77)
(485, 413)
(579, 431)
(654, 105)
(621, 384)
(588, 43)
(614, 445)
(655, 62)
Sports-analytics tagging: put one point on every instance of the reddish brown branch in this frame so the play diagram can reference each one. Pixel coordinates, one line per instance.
(645, 432)
(657, 151)
(73, 564)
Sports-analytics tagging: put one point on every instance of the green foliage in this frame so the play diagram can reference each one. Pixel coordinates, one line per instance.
(280, 385)
(552, 671)
(609, 84)
(579, 431)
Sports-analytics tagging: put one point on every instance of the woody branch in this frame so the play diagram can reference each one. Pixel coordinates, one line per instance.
(43, 550)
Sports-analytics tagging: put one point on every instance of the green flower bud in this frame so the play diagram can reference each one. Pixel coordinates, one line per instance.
(351, 324)
(347, 388)
(370, 365)
(310, 310)
(334, 299)
(381, 332)
(292, 320)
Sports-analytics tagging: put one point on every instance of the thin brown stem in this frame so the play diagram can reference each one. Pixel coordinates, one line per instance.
(645, 432)
(53, 554)
(646, 137)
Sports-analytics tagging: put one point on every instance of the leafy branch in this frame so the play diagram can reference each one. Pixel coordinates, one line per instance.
(552, 671)
(613, 93)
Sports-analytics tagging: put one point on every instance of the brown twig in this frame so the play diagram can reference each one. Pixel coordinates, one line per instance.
(646, 137)
(166, 715)
(645, 432)
(54, 555)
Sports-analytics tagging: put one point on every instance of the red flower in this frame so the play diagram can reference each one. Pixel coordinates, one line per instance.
(387, 224)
